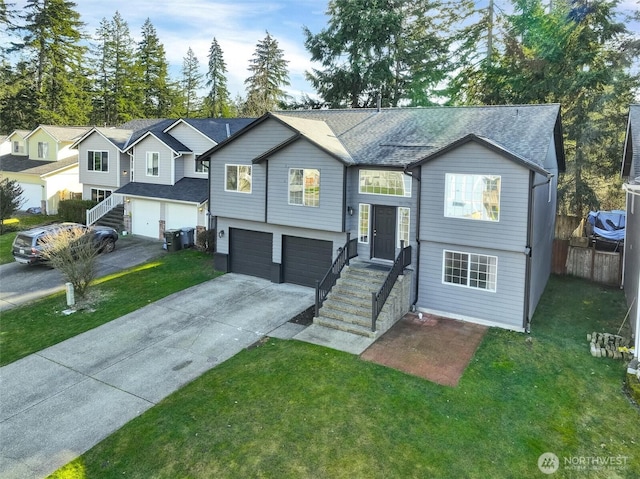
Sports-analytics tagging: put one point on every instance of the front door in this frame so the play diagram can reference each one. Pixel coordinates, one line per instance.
(384, 232)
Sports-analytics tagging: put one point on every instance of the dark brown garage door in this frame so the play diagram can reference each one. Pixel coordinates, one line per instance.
(305, 260)
(251, 252)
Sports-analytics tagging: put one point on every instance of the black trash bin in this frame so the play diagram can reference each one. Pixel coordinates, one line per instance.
(186, 234)
(173, 241)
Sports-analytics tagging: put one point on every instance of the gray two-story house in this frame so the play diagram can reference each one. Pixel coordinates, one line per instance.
(472, 191)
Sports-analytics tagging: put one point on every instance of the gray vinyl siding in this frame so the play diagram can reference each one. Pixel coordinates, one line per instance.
(632, 256)
(107, 179)
(301, 154)
(190, 167)
(509, 233)
(241, 152)
(179, 168)
(503, 307)
(544, 218)
(165, 163)
(278, 231)
(192, 138)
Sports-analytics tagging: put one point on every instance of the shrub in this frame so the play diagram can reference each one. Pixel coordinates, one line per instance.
(75, 210)
(206, 240)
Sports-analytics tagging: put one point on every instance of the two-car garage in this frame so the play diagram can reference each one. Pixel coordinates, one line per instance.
(304, 260)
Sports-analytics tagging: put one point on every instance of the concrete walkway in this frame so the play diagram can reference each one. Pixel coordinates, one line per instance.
(60, 402)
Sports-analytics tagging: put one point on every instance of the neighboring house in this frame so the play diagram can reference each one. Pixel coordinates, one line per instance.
(472, 190)
(151, 168)
(43, 164)
(631, 176)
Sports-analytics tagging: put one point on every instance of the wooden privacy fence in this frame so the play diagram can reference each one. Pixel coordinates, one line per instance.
(583, 261)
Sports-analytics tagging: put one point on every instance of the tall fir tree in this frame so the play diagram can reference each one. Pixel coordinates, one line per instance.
(53, 44)
(269, 74)
(191, 82)
(116, 82)
(159, 95)
(217, 102)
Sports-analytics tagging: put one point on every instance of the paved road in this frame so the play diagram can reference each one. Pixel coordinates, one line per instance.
(21, 283)
(58, 403)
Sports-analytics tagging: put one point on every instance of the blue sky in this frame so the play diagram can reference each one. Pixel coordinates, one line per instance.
(238, 26)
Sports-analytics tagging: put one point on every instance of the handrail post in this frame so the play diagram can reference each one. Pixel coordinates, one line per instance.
(374, 314)
(347, 248)
(317, 298)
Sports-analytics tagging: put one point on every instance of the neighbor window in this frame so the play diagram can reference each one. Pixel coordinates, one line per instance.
(470, 270)
(153, 161)
(403, 226)
(202, 166)
(99, 195)
(238, 178)
(43, 149)
(363, 223)
(18, 147)
(383, 182)
(98, 161)
(475, 197)
(304, 187)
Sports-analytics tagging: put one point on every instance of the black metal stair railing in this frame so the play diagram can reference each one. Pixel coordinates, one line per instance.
(323, 287)
(378, 299)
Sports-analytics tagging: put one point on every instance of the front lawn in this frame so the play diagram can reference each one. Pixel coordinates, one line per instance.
(30, 328)
(288, 409)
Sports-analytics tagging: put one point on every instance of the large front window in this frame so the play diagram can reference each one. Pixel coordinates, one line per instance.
(43, 149)
(475, 197)
(470, 270)
(98, 194)
(384, 182)
(98, 161)
(153, 163)
(304, 187)
(238, 178)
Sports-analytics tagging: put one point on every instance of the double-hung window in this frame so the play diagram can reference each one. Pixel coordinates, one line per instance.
(475, 197)
(43, 149)
(470, 270)
(98, 161)
(238, 178)
(153, 163)
(304, 187)
(202, 166)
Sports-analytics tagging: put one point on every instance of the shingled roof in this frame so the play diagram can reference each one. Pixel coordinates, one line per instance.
(401, 136)
(192, 190)
(631, 159)
(20, 164)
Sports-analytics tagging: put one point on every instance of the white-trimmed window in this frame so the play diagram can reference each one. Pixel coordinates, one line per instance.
(18, 146)
(153, 163)
(304, 187)
(98, 194)
(238, 178)
(98, 160)
(404, 223)
(470, 270)
(202, 166)
(363, 223)
(43, 149)
(384, 182)
(474, 197)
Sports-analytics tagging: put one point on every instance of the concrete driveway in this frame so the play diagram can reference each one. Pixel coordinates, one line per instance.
(21, 283)
(58, 403)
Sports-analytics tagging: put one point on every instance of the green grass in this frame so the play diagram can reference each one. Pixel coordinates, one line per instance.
(30, 328)
(16, 224)
(288, 409)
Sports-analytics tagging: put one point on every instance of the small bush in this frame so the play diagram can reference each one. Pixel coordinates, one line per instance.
(75, 210)
(206, 240)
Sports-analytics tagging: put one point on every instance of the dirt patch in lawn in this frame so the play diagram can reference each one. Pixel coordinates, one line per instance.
(435, 348)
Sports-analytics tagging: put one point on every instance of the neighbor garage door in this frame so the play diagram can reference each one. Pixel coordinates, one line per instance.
(31, 195)
(145, 218)
(305, 260)
(251, 252)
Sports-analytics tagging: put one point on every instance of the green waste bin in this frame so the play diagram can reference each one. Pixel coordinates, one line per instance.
(172, 240)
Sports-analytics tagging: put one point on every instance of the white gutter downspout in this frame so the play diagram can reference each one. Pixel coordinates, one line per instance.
(633, 191)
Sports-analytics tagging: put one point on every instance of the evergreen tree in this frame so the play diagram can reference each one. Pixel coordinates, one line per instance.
(158, 94)
(18, 104)
(117, 83)
(52, 42)
(217, 102)
(269, 74)
(191, 82)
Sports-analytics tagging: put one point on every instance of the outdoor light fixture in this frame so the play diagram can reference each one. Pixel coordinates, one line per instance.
(350, 210)
(220, 233)
(124, 172)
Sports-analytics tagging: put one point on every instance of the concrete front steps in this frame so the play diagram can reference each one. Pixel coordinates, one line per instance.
(348, 305)
(114, 219)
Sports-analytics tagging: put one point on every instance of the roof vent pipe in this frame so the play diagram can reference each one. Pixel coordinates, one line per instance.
(228, 131)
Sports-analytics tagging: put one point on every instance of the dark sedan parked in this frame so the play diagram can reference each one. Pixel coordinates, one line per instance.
(28, 245)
